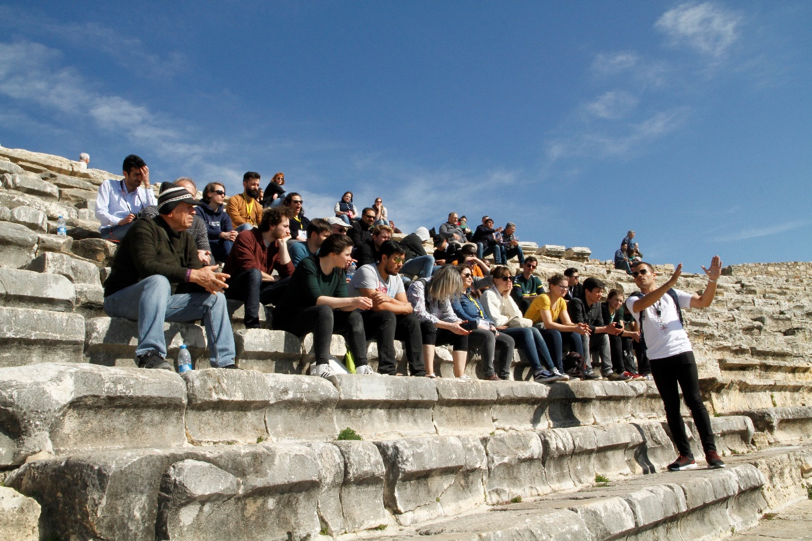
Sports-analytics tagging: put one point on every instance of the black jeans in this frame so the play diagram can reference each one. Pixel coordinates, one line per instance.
(387, 327)
(622, 354)
(680, 370)
(323, 322)
(249, 288)
(494, 350)
(441, 337)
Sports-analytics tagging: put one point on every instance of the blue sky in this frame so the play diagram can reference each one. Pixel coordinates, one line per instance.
(687, 122)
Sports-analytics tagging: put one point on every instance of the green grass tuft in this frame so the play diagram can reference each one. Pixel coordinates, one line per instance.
(380, 527)
(601, 479)
(348, 434)
(517, 499)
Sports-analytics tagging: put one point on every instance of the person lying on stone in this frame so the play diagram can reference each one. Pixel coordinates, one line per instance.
(119, 201)
(431, 300)
(391, 316)
(316, 300)
(256, 254)
(156, 276)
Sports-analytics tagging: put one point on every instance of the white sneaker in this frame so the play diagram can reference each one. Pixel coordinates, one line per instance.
(365, 370)
(322, 370)
(465, 378)
(561, 377)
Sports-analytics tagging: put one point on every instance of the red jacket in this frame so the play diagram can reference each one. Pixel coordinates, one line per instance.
(249, 252)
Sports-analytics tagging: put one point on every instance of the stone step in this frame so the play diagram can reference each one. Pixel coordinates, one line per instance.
(30, 336)
(19, 516)
(76, 270)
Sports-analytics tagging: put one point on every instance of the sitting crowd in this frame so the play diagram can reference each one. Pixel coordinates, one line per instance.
(259, 248)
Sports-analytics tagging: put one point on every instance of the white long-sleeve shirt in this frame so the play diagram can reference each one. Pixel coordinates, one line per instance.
(114, 203)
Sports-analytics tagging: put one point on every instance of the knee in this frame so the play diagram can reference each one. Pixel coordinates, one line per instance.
(157, 287)
(355, 321)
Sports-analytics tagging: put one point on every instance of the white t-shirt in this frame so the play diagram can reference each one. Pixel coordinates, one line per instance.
(368, 277)
(663, 333)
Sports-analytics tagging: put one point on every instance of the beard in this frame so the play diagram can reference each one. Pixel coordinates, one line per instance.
(253, 192)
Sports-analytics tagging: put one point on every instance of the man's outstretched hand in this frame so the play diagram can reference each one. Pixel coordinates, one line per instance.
(674, 277)
(715, 270)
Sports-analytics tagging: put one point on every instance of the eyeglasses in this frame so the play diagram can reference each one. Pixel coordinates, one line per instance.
(219, 192)
(641, 272)
(294, 201)
(506, 279)
(398, 259)
(369, 216)
(531, 266)
(466, 275)
(562, 286)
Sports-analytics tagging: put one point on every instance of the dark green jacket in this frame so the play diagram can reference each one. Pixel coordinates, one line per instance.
(152, 247)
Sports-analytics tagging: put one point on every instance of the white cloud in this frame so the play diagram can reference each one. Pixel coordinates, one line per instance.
(757, 232)
(705, 28)
(630, 67)
(613, 63)
(612, 105)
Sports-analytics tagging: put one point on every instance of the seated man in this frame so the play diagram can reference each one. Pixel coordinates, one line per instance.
(317, 231)
(487, 241)
(527, 286)
(119, 201)
(361, 230)
(391, 315)
(510, 244)
(576, 288)
(452, 231)
(156, 276)
(586, 308)
(622, 258)
(418, 262)
(255, 255)
(245, 209)
(368, 252)
(443, 253)
(337, 225)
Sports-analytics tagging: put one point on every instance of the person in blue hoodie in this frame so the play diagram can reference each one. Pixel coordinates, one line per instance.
(218, 224)
(495, 348)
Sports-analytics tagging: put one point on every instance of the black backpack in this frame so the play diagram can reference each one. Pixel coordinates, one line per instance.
(671, 293)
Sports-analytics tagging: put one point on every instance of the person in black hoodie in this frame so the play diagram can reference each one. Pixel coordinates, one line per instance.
(418, 263)
(298, 222)
(274, 193)
(218, 224)
(586, 308)
(487, 241)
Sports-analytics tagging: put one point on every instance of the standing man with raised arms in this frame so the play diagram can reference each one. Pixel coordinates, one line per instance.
(657, 311)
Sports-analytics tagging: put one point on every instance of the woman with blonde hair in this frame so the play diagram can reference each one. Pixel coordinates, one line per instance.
(274, 194)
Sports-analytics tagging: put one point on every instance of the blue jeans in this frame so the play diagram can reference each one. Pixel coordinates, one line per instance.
(529, 340)
(244, 227)
(150, 302)
(115, 232)
(346, 219)
(421, 266)
(220, 249)
(555, 344)
(498, 251)
(511, 252)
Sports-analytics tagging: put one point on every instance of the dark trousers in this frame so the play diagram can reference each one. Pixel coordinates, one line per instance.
(323, 322)
(494, 350)
(432, 336)
(622, 354)
(220, 249)
(556, 340)
(249, 288)
(670, 374)
(642, 359)
(386, 327)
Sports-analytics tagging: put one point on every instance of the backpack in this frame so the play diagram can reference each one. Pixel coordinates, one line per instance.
(671, 293)
(574, 365)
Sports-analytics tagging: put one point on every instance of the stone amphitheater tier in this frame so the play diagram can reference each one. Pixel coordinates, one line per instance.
(93, 448)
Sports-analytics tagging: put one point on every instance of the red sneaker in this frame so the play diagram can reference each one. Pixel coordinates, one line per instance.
(682, 463)
(714, 462)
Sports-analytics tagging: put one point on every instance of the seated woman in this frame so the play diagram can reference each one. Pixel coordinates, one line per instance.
(621, 346)
(218, 225)
(549, 311)
(503, 311)
(345, 209)
(381, 215)
(467, 256)
(494, 347)
(298, 222)
(274, 193)
(431, 299)
(316, 301)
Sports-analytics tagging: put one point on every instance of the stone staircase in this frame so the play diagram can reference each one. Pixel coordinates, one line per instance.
(93, 448)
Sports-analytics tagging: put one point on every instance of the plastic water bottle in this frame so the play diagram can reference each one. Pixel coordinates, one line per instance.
(184, 360)
(351, 270)
(61, 227)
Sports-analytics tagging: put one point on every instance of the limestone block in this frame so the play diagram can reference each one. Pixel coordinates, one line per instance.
(86, 215)
(32, 186)
(464, 407)
(41, 162)
(137, 495)
(89, 298)
(29, 217)
(54, 243)
(515, 467)
(656, 503)
(18, 245)
(64, 181)
(330, 463)
(552, 250)
(10, 168)
(363, 486)
(78, 198)
(733, 434)
(578, 253)
(468, 489)
(29, 289)
(226, 406)
(301, 408)
(29, 336)
(384, 406)
(57, 409)
(785, 424)
(521, 406)
(572, 404)
(75, 270)
(236, 310)
(99, 250)
(19, 515)
(528, 248)
(5, 214)
(249, 493)
(268, 351)
(419, 472)
(615, 401)
(112, 341)
(338, 348)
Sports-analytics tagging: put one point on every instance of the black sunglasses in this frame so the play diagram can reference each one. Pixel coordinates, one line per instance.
(641, 272)
(219, 192)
